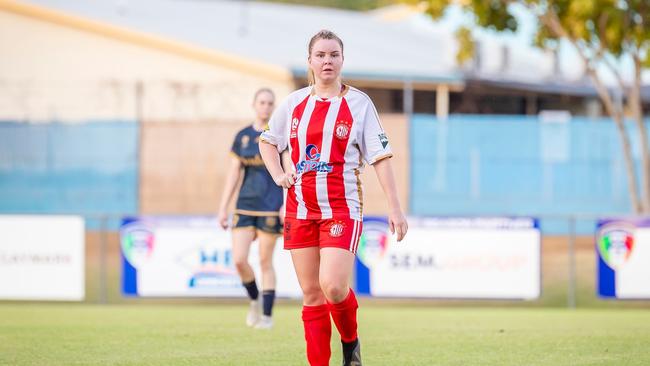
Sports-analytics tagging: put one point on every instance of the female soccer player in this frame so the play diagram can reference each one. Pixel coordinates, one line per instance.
(331, 129)
(257, 211)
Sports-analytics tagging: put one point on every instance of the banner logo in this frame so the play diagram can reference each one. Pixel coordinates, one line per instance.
(615, 244)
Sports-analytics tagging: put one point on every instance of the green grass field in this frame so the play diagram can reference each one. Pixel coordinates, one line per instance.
(64, 334)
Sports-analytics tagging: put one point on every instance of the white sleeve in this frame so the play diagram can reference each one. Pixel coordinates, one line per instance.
(275, 132)
(374, 142)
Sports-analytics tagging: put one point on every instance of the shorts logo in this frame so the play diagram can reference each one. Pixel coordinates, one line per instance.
(342, 130)
(383, 139)
(313, 162)
(271, 221)
(336, 229)
(294, 127)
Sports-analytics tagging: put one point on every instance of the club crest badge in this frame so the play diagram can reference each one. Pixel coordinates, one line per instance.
(337, 228)
(342, 130)
(244, 141)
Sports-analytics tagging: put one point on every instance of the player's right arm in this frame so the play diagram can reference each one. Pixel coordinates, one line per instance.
(273, 164)
(273, 141)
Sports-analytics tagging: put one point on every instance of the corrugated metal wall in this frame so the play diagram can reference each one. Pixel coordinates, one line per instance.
(469, 165)
(88, 168)
(516, 165)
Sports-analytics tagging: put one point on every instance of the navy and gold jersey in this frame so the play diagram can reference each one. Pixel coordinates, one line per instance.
(259, 195)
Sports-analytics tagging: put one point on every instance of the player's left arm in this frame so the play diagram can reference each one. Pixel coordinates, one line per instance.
(396, 220)
(377, 152)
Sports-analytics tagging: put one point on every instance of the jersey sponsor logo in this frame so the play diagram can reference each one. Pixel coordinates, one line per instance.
(313, 162)
(252, 161)
(342, 130)
(312, 152)
(383, 139)
(294, 127)
(337, 228)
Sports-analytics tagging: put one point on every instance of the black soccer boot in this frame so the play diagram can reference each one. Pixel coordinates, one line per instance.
(352, 353)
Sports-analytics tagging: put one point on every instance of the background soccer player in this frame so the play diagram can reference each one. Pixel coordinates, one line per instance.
(330, 130)
(257, 211)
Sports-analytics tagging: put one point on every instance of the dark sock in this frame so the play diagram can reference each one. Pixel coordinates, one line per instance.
(268, 297)
(251, 288)
(348, 348)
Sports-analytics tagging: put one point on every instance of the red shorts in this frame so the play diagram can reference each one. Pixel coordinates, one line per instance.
(335, 233)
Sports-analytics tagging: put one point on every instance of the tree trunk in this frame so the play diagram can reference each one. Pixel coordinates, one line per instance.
(551, 20)
(637, 114)
(629, 163)
(619, 121)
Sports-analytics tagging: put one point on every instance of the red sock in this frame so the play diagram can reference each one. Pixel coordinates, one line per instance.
(318, 332)
(345, 317)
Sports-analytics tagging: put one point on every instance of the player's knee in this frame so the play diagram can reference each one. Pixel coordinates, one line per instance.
(241, 264)
(335, 292)
(314, 299)
(312, 294)
(266, 265)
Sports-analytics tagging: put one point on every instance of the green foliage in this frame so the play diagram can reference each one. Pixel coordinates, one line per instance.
(544, 38)
(466, 45)
(493, 14)
(437, 7)
(613, 27)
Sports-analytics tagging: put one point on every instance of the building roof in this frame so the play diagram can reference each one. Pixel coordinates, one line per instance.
(149, 40)
(278, 34)
(387, 45)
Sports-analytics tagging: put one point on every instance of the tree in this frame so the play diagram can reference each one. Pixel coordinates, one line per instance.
(607, 34)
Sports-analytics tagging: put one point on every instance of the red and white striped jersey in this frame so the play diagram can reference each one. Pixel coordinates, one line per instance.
(329, 140)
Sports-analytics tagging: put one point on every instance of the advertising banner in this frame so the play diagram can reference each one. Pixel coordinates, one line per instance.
(474, 258)
(189, 257)
(42, 257)
(623, 267)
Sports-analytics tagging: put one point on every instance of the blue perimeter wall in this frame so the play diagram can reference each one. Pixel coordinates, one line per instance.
(83, 168)
(467, 165)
